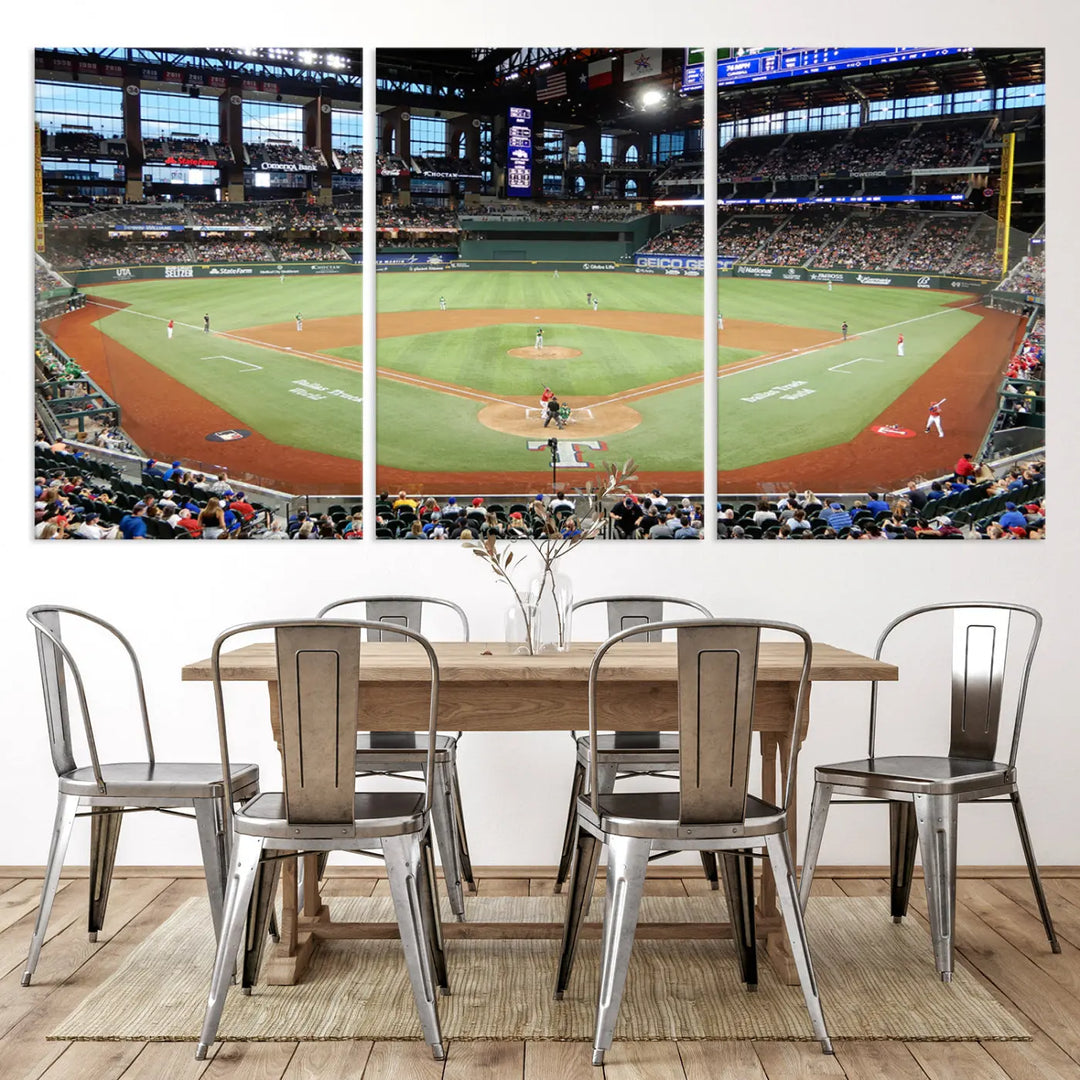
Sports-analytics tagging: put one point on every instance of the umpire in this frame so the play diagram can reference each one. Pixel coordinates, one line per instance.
(553, 412)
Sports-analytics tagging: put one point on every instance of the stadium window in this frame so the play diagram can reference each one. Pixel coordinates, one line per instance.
(835, 116)
(1022, 97)
(881, 110)
(930, 105)
(427, 136)
(554, 140)
(795, 120)
(264, 120)
(164, 113)
(727, 133)
(973, 101)
(630, 189)
(579, 185)
(346, 129)
(759, 125)
(552, 184)
(80, 105)
(631, 154)
(607, 148)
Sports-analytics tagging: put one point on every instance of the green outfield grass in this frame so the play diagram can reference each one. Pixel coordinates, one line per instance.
(510, 289)
(237, 302)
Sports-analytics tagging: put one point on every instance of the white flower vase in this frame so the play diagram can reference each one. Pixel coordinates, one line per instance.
(552, 594)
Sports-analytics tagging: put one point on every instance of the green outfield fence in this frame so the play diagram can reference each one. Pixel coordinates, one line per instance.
(112, 275)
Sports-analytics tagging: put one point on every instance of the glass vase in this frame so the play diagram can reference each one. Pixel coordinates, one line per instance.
(552, 594)
(521, 623)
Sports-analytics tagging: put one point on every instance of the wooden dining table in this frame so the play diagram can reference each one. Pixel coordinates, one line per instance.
(485, 687)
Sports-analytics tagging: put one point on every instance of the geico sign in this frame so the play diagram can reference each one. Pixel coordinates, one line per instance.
(677, 262)
(179, 271)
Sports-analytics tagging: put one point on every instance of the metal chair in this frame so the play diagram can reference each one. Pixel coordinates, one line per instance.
(110, 790)
(403, 753)
(923, 793)
(711, 811)
(628, 753)
(318, 667)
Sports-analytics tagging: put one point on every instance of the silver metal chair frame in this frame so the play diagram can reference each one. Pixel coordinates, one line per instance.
(923, 792)
(712, 811)
(108, 790)
(396, 757)
(319, 810)
(627, 753)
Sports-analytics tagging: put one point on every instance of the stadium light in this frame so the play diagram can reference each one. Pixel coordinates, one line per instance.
(651, 97)
(306, 56)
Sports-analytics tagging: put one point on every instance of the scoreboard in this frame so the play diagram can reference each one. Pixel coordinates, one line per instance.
(792, 61)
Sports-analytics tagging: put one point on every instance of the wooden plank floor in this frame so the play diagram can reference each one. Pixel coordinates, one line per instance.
(998, 934)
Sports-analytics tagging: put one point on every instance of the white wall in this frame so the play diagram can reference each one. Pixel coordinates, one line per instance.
(173, 600)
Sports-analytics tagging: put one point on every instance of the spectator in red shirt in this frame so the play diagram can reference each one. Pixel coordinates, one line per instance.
(965, 467)
(190, 523)
(241, 506)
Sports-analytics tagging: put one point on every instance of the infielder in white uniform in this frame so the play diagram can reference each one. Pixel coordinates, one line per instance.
(595, 303)
(900, 345)
(934, 419)
(299, 322)
(442, 303)
(719, 321)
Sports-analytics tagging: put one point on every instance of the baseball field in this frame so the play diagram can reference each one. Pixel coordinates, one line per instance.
(457, 405)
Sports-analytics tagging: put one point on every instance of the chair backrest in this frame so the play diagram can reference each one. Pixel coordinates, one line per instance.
(717, 678)
(980, 641)
(624, 612)
(396, 611)
(319, 703)
(55, 661)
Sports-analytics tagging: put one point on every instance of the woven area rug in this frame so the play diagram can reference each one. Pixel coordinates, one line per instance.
(877, 981)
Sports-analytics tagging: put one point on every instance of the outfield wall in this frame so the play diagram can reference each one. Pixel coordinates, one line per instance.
(110, 275)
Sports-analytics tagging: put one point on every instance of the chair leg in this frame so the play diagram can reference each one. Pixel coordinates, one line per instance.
(628, 860)
(738, 871)
(246, 855)
(212, 841)
(936, 817)
(1033, 871)
(66, 805)
(708, 864)
(428, 892)
(903, 840)
(442, 821)
(783, 869)
(402, 855)
(260, 912)
(819, 811)
(105, 825)
(464, 859)
(582, 878)
(577, 788)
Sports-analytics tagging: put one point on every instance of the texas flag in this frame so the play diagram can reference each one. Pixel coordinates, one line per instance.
(599, 74)
(642, 63)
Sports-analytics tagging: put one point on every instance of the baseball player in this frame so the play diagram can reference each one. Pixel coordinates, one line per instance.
(934, 419)
(556, 274)
(899, 344)
(206, 324)
(539, 337)
(830, 286)
(595, 303)
(843, 330)
(299, 322)
(588, 299)
(442, 303)
(552, 412)
(545, 397)
(169, 329)
(719, 321)
(564, 415)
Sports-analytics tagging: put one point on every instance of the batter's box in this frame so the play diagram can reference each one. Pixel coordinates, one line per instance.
(245, 365)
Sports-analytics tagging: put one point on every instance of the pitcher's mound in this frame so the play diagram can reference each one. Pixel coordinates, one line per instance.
(586, 422)
(548, 352)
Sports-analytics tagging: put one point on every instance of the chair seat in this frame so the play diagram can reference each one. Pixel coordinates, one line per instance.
(631, 748)
(399, 751)
(922, 775)
(655, 815)
(376, 813)
(162, 780)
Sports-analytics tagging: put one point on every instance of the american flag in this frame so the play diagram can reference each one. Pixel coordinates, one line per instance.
(550, 85)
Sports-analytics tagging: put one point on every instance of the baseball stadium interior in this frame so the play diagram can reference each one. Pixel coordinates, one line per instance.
(540, 235)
